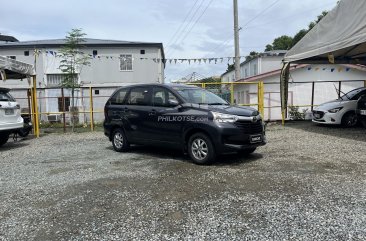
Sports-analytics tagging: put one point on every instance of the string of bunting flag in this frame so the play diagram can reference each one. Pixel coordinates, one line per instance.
(210, 60)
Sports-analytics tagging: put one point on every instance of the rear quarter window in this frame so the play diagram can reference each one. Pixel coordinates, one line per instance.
(5, 96)
(118, 97)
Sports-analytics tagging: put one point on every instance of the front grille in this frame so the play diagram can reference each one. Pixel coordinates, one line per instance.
(320, 113)
(250, 127)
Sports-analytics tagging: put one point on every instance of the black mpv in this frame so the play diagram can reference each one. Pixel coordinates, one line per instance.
(181, 116)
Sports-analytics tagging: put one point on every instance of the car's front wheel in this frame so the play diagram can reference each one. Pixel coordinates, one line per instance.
(201, 149)
(349, 119)
(3, 139)
(119, 140)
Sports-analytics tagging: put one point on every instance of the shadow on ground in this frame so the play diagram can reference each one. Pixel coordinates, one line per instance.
(166, 153)
(356, 133)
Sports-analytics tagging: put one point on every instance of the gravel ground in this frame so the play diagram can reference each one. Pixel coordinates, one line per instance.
(307, 183)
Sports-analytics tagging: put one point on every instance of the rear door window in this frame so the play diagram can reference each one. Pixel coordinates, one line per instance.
(139, 96)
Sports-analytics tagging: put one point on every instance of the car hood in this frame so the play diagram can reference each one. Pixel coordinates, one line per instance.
(332, 104)
(234, 110)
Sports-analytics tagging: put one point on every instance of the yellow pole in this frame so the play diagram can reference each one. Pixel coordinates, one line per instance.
(91, 109)
(261, 98)
(35, 106)
(231, 93)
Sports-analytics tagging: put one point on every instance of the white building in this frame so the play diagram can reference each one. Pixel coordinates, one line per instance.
(267, 68)
(112, 64)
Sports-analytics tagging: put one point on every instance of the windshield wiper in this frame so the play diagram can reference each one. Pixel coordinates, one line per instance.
(217, 103)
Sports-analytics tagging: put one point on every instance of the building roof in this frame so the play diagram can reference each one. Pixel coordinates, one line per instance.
(88, 42)
(7, 38)
(272, 53)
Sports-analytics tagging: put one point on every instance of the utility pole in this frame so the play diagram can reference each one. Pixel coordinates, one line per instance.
(236, 40)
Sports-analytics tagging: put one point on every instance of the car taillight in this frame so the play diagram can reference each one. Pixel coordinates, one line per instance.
(18, 106)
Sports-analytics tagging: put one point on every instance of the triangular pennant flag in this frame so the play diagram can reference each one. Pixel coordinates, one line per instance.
(199, 61)
(189, 61)
(175, 61)
(170, 61)
(222, 60)
(204, 60)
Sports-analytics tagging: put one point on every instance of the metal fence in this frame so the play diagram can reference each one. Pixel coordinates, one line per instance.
(52, 105)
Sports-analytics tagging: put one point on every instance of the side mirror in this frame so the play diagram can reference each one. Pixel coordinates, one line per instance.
(173, 103)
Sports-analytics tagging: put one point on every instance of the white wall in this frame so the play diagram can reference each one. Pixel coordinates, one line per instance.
(300, 93)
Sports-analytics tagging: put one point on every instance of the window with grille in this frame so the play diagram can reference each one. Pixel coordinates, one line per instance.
(125, 62)
(55, 80)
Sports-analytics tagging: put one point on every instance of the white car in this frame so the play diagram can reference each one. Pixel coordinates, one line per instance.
(341, 111)
(10, 118)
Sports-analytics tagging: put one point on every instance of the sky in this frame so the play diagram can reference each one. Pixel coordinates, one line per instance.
(187, 29)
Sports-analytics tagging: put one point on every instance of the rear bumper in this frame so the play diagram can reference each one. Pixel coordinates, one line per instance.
(9, 127)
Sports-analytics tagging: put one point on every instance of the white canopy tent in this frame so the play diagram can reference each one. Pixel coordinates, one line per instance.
(340, 38)
(12, 69)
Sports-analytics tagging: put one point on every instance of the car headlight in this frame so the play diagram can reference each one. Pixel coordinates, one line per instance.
(224, 118)
(335, 110)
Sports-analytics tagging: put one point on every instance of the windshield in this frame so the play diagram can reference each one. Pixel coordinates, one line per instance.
(352, 95)
(200, 96)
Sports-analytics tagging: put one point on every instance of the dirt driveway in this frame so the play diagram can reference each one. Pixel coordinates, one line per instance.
(307, 183)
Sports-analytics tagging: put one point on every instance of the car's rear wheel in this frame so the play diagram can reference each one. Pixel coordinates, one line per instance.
(3, 139)
(119, 140)
(201, 149)
(349, 119)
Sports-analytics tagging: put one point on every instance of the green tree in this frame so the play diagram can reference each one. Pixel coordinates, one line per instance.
(286, 42)
(281, 43)
(72, 61)
(251, 55)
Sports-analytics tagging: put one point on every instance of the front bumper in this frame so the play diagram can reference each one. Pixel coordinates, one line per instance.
(230, 138)
(328, 118)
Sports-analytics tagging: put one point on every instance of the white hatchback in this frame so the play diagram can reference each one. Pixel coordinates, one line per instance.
(341, 111)
(10, 118)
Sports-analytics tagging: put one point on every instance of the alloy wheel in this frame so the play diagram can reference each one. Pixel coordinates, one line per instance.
(199, 149)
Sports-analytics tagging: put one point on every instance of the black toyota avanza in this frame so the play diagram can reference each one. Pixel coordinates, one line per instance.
(181, 116)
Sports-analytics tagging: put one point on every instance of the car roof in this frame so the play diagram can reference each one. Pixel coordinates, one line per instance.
(167, 85)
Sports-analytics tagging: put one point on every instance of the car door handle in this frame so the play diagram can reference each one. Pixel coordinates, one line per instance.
(152, 112)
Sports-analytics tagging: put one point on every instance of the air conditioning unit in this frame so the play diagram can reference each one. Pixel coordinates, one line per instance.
(54, 118)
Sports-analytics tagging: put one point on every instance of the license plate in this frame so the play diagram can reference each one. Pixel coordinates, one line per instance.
(9, 112)
(363, 112)
(255, 139)
(317, 116)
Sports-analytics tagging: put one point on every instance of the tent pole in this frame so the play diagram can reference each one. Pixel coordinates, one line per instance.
(285, 75)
